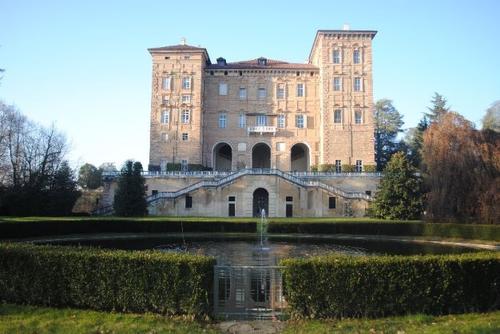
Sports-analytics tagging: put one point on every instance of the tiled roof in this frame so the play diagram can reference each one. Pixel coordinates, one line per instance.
(270, 64)
(180, 47)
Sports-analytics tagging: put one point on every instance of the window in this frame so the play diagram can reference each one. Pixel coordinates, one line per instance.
(289, 198)
(222, 120)
(368, 192)
(261, 120)
(166, 83)
(280, 147)
(280, 91)
(262, 93)
(165, 100)
(186, 83)
(185, 116)
(243, 93)
(356, 56)
(186, 99)
(337, 59)
(357, 84)
(337, 116)
(242, 121)
(164, 136)
(185, 136)
(189, 202)
(337, 84)
(338, 166)
(300, 90)
(332, 202)
(231, 198)
(165, 116)
(299, 121)
(154, 192)
(281, 121)
(359, 165)
(184, 165)
(222, 88)
(358, 117)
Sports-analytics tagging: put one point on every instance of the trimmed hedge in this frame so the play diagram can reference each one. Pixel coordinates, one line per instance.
(400, 228)
(62, 227)
(343, 286)
(144, 281)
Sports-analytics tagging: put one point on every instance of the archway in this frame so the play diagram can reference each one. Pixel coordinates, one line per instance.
(223, 157)
(299, 158)
(260, 202)
(261, 156)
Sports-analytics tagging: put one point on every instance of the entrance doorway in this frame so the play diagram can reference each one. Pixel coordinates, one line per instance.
(260, 202)
(261, 156)
(299, 158)
(223, 157)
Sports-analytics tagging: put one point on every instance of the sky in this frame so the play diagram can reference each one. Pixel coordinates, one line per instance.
(83, 65)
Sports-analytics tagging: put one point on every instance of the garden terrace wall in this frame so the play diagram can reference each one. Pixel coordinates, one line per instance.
(397, 228)
(61, 227)
(343, 286)
(145, 281)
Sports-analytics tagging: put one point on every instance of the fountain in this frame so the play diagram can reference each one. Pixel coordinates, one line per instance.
(263, 228)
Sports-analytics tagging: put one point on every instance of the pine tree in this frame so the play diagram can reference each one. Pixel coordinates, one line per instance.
(130, 196)
(400, 191)
(438, 108)
(388, 123)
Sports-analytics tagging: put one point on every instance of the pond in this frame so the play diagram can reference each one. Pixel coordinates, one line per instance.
(247, 277)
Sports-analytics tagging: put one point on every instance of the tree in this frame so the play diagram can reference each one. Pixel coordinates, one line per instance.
(89, 177)
(388, 123)
(30, 158)
(491, 119)
(462, 170)
(62, 194)
(412, 142)
(400, 191)
(438, 108)
(130, 196)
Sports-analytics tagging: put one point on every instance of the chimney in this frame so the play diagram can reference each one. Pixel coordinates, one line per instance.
(221, 61)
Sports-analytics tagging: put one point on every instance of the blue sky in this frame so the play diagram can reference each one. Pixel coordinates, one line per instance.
(83, 65)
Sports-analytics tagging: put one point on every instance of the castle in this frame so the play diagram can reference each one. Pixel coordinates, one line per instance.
(260, 127)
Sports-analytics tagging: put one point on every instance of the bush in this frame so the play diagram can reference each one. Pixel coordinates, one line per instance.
(28, 229)
(348, 168)
(370, 168)
(145, 281)
(347, 286)
(392, 228)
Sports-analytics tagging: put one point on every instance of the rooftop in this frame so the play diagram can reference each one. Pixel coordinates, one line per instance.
(262, 63)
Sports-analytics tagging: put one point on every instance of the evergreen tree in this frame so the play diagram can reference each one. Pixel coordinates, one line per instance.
(491, 119)
(89, 177)
(400, 191)
(438, 108)
(62, 194)
(413, 142)
(130, 196)
(388, 123)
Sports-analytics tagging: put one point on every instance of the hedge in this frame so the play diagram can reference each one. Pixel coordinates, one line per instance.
(343, 286)
(145, 281)
(399, 228)
(61, 227)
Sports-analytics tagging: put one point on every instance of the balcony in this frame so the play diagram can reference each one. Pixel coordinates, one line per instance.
(261, 129)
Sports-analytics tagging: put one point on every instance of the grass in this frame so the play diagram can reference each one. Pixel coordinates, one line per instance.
(463, 323)
(41, 320)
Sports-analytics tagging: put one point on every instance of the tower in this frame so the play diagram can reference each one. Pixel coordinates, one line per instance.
(176, 118)
(344, 58)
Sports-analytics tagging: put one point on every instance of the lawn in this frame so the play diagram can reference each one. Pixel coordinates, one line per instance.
(453, 324)
(41, 320)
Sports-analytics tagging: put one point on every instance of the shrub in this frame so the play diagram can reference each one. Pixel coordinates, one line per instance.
(145, 281)
(327, 168)
(393, 228)
(370, 168)
(348, 168)
(347, 286)
(119, 225)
